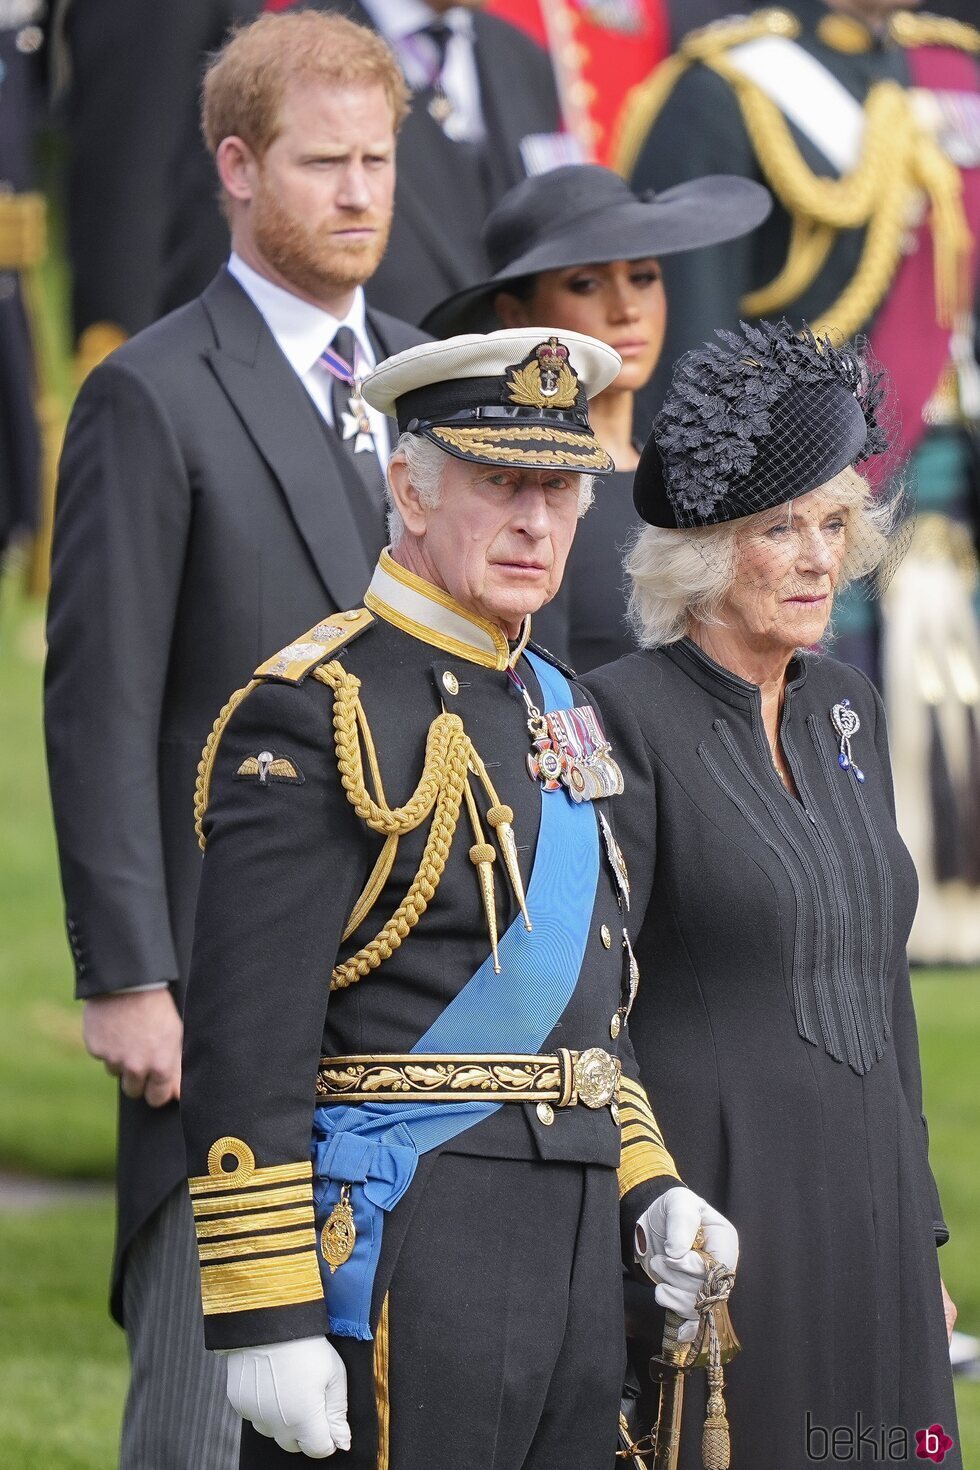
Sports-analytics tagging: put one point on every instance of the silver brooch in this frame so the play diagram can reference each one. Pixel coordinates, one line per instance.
(847, 723)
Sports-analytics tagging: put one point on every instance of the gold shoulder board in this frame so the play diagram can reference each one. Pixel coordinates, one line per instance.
(933, 30)
(292, 663)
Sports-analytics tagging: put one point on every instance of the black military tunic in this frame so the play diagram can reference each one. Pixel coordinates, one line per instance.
(497, 1307)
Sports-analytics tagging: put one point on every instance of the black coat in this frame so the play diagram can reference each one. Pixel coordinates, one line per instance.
(284, 866)
(761, 917)
(203, 516)
(145, 230)
(444, 193)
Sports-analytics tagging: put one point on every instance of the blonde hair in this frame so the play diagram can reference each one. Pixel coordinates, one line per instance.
(679, 576)
(247, 79)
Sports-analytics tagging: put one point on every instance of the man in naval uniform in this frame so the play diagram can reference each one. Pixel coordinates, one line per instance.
(864, 121)
(411, 947)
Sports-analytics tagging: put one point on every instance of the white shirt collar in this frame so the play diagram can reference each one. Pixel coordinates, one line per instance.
(301, 330)
(396, 19)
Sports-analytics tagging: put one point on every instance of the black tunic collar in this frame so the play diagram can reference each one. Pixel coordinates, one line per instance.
(721, 682)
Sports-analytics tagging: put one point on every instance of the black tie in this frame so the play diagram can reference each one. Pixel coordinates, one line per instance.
(439, 35)
(364, 461)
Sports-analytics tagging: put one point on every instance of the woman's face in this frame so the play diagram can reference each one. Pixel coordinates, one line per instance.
(788, 564)
(622, 303)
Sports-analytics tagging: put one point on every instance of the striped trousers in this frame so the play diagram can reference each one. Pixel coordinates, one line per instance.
(177, 1416)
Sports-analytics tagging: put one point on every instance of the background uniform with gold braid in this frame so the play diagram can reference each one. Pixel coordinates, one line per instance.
(869, 139)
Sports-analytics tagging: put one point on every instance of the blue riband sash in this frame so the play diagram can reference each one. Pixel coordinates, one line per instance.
(375, 1146)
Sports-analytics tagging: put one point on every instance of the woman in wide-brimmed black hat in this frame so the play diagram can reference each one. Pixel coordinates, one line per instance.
(576, 250)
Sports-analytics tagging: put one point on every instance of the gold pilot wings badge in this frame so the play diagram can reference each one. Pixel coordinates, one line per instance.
(267, 767)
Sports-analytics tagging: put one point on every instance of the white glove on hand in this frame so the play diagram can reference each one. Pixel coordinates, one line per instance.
(294, 1393)
(664, 1236)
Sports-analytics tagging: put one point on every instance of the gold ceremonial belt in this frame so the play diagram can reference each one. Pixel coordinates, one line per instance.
(564, 1078)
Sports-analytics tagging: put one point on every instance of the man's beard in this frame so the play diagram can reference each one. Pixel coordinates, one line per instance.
(316, 263)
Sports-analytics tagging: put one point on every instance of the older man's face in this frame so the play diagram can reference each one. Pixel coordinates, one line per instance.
(498, 539)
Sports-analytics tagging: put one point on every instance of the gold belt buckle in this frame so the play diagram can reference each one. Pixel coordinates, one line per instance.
(596, 1077)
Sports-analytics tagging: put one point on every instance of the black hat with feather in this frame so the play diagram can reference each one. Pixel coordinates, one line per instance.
(754, 421)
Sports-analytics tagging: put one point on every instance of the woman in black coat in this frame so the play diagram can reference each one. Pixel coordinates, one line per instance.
(773, 895)
(576, 250)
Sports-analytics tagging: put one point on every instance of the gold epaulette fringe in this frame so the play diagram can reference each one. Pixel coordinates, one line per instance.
(922, 29)
(644, 102)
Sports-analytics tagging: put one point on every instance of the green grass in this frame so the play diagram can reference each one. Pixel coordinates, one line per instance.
(62, 1363)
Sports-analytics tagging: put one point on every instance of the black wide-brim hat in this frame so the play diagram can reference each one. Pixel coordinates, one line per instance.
(754, 423)
(584, 214)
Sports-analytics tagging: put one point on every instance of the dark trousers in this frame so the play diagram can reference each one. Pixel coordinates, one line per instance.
(500, 1343)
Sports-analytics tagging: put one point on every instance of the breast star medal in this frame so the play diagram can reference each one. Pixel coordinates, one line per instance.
(339, 1235)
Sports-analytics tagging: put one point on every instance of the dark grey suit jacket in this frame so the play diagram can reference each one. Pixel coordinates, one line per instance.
(440, 204)
(204, 519)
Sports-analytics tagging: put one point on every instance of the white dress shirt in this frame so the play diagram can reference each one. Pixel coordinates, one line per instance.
(302, 331)
(399, 21)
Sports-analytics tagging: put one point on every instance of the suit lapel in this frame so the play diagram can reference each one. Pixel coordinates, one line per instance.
(277, 414)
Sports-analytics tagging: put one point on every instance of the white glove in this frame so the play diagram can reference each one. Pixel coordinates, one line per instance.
(294, 1393)
(664, 1236)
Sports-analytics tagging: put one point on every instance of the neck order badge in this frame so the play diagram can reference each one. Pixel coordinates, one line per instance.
(352, 421)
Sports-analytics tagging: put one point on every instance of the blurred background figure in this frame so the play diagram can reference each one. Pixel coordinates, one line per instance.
(865, 123)
(145, 229)
(600, 50)
(220, 489)
(22, 244)
(576, 249)
(484, 115)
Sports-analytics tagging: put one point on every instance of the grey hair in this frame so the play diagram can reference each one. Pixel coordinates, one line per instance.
(426, 467)
(679, 576)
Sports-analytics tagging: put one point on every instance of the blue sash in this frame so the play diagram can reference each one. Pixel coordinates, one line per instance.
(376, 1146)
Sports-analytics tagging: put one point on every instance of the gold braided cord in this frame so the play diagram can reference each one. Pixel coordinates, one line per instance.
(202, 786)
(898, 160)
(844, 203)
(909, 29)
(809, 246)
(439, 792)
(645, 101)
(347, 724)
(372, 888)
